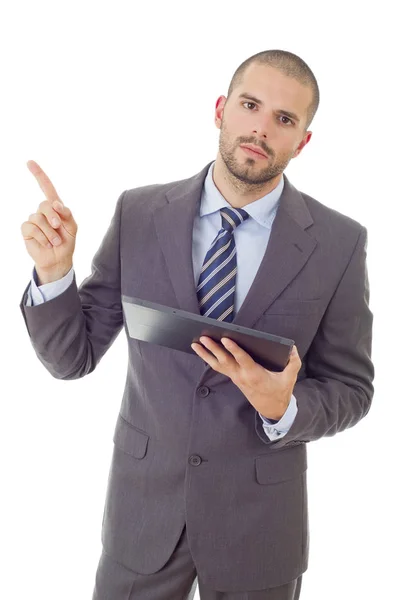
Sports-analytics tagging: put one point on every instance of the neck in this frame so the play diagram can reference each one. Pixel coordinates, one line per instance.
(236, 192)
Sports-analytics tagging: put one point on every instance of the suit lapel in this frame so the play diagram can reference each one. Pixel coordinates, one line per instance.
(289, 247)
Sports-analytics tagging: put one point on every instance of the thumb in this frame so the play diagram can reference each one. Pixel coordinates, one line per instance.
(294, 357)
(58, 205)
(67, 218)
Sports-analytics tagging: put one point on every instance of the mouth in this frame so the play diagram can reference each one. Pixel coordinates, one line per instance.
(253, 153)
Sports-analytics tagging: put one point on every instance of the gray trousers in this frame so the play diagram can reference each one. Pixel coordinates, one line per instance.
(177, 580)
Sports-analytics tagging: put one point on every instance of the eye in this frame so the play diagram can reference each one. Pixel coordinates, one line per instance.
(285, 117)
(248, 103)
(281, 116)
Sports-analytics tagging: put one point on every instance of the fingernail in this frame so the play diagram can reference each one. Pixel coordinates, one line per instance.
(55, 222)
(56, 241)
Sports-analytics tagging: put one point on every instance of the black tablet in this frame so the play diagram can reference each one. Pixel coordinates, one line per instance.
(178, 329)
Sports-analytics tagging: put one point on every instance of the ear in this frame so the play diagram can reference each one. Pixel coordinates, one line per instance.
(303, 143)
(219, 111)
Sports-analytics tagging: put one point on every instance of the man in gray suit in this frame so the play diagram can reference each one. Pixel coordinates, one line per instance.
(208, 483)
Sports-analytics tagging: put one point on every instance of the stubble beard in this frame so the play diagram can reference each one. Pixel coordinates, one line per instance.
(248, 176)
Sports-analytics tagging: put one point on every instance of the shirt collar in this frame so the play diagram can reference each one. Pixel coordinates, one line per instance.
(262, 210)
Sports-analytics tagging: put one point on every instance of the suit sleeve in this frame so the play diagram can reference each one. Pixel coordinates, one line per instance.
(337, 390)
(71, 332)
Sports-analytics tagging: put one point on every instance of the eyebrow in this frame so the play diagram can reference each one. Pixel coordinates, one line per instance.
(260, 102)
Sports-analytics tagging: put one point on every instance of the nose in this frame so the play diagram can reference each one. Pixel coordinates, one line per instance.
(260, 130)
(261, 126)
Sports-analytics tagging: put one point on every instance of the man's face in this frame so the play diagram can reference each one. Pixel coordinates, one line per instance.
(243, 120)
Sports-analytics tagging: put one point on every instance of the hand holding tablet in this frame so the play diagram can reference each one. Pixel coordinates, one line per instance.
(178, 329)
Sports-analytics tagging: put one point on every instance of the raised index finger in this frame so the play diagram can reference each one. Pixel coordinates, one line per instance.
(44, 182)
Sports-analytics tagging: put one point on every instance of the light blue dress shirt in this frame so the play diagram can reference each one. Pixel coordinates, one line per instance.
(251, 239)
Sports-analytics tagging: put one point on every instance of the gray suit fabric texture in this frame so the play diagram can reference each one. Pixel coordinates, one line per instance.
(189, 449)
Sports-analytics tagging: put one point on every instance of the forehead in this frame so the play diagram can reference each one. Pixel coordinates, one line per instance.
(275, 89)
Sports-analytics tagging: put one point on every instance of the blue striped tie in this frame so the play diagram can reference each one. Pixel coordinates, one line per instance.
(216, 286)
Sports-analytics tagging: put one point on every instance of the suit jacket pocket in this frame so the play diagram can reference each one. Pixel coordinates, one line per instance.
(292, 306)
(129, 439)
(282, 465)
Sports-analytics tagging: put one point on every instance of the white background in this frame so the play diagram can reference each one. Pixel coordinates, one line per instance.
(111, 96)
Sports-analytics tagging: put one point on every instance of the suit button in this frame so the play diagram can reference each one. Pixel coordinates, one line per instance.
(195, 460)
(203, 391)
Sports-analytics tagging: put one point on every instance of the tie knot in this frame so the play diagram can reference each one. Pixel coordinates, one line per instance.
(232, 217)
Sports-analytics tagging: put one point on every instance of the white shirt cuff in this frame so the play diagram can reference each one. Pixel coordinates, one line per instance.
(47, 291)
(278, 429)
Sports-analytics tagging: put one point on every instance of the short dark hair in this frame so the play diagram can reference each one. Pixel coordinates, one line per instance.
(289, 64)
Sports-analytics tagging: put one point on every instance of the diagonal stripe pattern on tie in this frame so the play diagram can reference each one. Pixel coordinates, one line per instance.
(217, 280)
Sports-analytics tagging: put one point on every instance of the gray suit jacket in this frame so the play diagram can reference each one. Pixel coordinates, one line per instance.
(188, 446)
